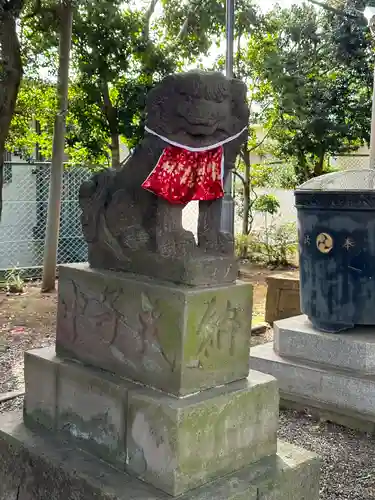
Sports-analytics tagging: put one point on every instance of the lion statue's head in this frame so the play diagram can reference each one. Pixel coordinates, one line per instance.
(198, 108)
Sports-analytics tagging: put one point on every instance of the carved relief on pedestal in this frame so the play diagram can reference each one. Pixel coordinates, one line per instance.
(129, 336)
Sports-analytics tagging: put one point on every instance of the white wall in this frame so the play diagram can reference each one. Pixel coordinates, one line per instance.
(124, 152)
(287, 213)
(18, 217)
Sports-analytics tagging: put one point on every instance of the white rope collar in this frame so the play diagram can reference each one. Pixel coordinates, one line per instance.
(196, 150)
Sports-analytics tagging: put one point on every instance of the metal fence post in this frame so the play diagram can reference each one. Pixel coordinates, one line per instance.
(227, 214)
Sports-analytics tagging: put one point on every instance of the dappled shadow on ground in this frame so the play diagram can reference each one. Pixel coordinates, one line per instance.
(27, 321)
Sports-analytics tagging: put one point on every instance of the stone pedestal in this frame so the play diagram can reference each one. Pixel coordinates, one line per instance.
(283, 299)
(36, 467)
(178, 339)
(151, 382)
(331, 374)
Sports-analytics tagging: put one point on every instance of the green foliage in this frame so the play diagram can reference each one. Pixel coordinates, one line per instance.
(87, 139)
(267, 203)
(317, 71)
(36, 103)
(280, 243)
(119, 53)
(261, 175)
(275, 245)
(192, 25)
(242, 245)
(308, 71)
(115, 62)
(283, 175)
(14, 283)
(33, 123)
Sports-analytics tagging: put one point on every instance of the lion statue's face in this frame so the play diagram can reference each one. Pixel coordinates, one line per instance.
(198, 108)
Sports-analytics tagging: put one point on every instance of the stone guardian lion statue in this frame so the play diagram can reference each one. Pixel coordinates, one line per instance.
(196, 123)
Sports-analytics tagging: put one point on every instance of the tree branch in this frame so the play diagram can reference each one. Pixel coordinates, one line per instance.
(264, 138)
(337, 11)
(185, 26)
(237, 174)
(148, 15)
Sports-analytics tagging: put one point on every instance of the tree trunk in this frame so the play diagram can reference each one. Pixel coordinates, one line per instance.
(115, 148)
(57, 167)
(111, 115)
(318, 168)
(246, 209)
(10, 78)
(302, 172)
(149, 13)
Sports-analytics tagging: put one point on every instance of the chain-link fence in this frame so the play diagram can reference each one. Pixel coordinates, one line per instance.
(24, 217)
(25, 204)
(350, 161)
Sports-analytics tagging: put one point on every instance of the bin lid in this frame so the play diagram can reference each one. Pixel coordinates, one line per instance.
(349, 180)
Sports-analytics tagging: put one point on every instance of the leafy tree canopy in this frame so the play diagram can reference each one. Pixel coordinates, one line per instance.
(317, 69)
(309, 73)
(119, 52)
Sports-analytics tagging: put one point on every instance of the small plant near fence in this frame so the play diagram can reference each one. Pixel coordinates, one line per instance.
(13, 281)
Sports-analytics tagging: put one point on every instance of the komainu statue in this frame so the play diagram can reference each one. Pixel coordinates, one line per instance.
(132, 219)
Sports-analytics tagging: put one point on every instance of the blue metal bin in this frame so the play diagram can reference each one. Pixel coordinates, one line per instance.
(336, 225)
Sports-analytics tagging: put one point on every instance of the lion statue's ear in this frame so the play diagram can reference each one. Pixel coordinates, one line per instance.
(240, 108)
(158, 106)
(161, 92)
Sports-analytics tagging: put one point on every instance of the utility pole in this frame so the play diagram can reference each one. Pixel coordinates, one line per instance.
(227, 214)
(369, 14)
(372, 136)
(57, 167)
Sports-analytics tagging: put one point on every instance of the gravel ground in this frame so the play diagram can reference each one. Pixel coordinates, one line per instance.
(348, 457)
(26, 321)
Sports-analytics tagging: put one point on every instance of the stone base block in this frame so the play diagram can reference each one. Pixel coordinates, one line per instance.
(34, 467)
(350, 350)
(177, 445)
(347, 394)
(174, 444)
(85, 405)
(175, 338)
(283, 300)
(197, 269)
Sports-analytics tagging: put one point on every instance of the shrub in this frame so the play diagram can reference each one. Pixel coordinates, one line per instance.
(273, 245)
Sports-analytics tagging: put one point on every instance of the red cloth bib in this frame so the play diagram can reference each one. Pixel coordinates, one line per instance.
(181, 176)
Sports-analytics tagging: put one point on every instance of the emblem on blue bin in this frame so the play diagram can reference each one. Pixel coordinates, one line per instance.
(324, 242)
